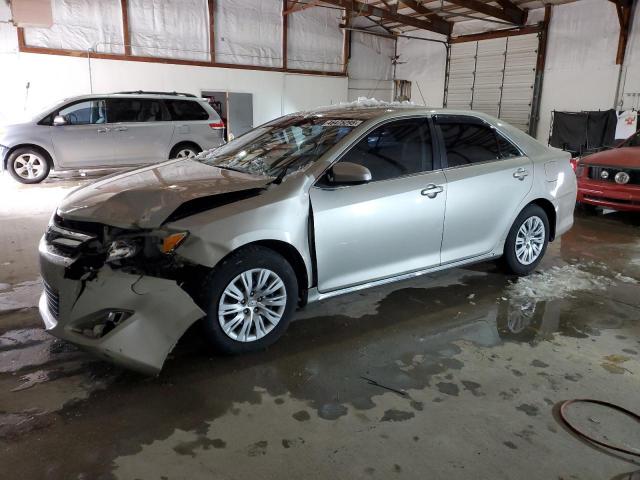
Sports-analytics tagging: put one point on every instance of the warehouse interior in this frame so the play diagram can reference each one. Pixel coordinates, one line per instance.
(467, 372)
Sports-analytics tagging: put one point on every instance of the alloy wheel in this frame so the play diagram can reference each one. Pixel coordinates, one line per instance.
(29, 166)
(252, 304)
(186, 153)
(530, 240)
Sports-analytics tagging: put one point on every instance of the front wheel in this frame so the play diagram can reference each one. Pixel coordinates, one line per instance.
(28, 165)
(249, 299)
(527, 241)
(184, 150)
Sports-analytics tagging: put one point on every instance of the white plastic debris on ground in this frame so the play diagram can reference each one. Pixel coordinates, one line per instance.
(364, 102)
(556, 283)
(81, 25)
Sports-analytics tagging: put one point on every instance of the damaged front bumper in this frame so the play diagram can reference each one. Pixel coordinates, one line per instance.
(129, 319)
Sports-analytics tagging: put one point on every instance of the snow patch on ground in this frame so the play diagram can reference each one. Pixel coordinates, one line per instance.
(557, 283)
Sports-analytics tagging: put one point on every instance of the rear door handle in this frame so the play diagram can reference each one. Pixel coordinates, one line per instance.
(520, 174)
(432, 190)
(103, 130)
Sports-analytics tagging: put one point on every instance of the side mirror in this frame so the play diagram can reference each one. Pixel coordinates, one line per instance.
(59, 120)
(347, 172)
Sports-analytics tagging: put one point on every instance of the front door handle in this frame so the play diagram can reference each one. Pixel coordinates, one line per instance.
(520, 174)
(121, 129)
(103, 130)
(432, 190)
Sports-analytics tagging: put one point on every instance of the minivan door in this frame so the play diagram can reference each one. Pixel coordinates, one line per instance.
(85, 140)
(487, 179)
(142, 130)
(390, 225)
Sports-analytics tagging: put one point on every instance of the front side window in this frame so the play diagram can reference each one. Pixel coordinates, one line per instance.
(393, 150)
(84, 113)
(283, 146)
(136, 110)
(185, 110)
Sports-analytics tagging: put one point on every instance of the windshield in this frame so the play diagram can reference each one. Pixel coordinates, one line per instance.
(632, 141)
(283, 146)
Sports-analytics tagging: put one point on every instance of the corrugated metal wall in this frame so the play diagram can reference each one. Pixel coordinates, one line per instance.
(494, 76)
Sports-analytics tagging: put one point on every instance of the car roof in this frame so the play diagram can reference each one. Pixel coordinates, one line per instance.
(165, 96)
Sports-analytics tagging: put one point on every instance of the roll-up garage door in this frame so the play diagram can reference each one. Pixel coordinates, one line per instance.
(495, 76)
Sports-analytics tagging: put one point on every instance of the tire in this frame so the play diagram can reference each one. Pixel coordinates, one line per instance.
(217, 291)
(29, 165)
(184, 150)
(528, 259)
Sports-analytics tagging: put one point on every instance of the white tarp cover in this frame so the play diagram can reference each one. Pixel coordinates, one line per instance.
(81, 25)
(315, 39)
(170, 29)
(249, 32)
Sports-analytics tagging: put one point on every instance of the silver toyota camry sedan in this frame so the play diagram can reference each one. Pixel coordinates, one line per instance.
(303, 208)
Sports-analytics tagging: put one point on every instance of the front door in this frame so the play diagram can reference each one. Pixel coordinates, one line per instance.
(390, 225)
(487, 179)
(86, 140)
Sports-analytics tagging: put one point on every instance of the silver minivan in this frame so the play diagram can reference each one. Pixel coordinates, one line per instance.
(109, 131)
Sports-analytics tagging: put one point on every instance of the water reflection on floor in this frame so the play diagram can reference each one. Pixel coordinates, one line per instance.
(454, 375)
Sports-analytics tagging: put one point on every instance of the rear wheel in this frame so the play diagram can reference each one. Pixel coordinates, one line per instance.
(185, 150)
(527, 241)
(28, 165)
(249, 299)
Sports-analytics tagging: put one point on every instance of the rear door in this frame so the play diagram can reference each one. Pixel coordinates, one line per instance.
(487, 178)
(85, 140)
(390, 225)
(142, 130)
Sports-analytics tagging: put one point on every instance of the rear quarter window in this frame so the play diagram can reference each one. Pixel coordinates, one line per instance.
(185, 110)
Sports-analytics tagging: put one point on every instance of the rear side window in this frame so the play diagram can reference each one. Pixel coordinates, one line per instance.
(468, 143)
(184, 110)
(507, 149)
(394, 150)
(136, 110)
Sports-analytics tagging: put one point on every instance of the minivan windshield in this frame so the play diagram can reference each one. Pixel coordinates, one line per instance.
(283, 146)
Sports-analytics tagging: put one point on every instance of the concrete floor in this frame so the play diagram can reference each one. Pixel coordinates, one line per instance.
(470, 367)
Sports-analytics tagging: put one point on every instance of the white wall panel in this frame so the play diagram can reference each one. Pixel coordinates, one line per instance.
(53, 78)
(580, 72)
(423, 64)
(315, 40)
(81, 25)
(371, 67)
(249, 32)
(169, 28)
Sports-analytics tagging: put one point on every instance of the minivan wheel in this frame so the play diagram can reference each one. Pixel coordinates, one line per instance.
(249, 299)
(184, 150)
(527, 241)
(28, 165)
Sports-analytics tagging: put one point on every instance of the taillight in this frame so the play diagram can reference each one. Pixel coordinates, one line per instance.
(217, 125)
(574, 163)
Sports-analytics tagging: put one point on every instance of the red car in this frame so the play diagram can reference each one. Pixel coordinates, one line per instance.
(611, 179)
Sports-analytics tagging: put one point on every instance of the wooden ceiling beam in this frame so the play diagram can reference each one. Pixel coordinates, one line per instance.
(499, 13)
(434, 24)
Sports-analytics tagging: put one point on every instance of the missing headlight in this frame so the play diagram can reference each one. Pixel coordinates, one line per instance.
(121, 249)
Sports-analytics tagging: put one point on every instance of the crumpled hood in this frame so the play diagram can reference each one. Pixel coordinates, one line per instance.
(625, 157)
(145, 197)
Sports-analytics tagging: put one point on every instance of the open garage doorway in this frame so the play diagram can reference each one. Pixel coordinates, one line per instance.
(235, 110)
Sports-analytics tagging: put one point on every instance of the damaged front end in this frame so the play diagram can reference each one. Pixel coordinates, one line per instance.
(119, 293)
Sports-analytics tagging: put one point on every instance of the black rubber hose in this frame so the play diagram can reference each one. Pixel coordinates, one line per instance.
(577, 431)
